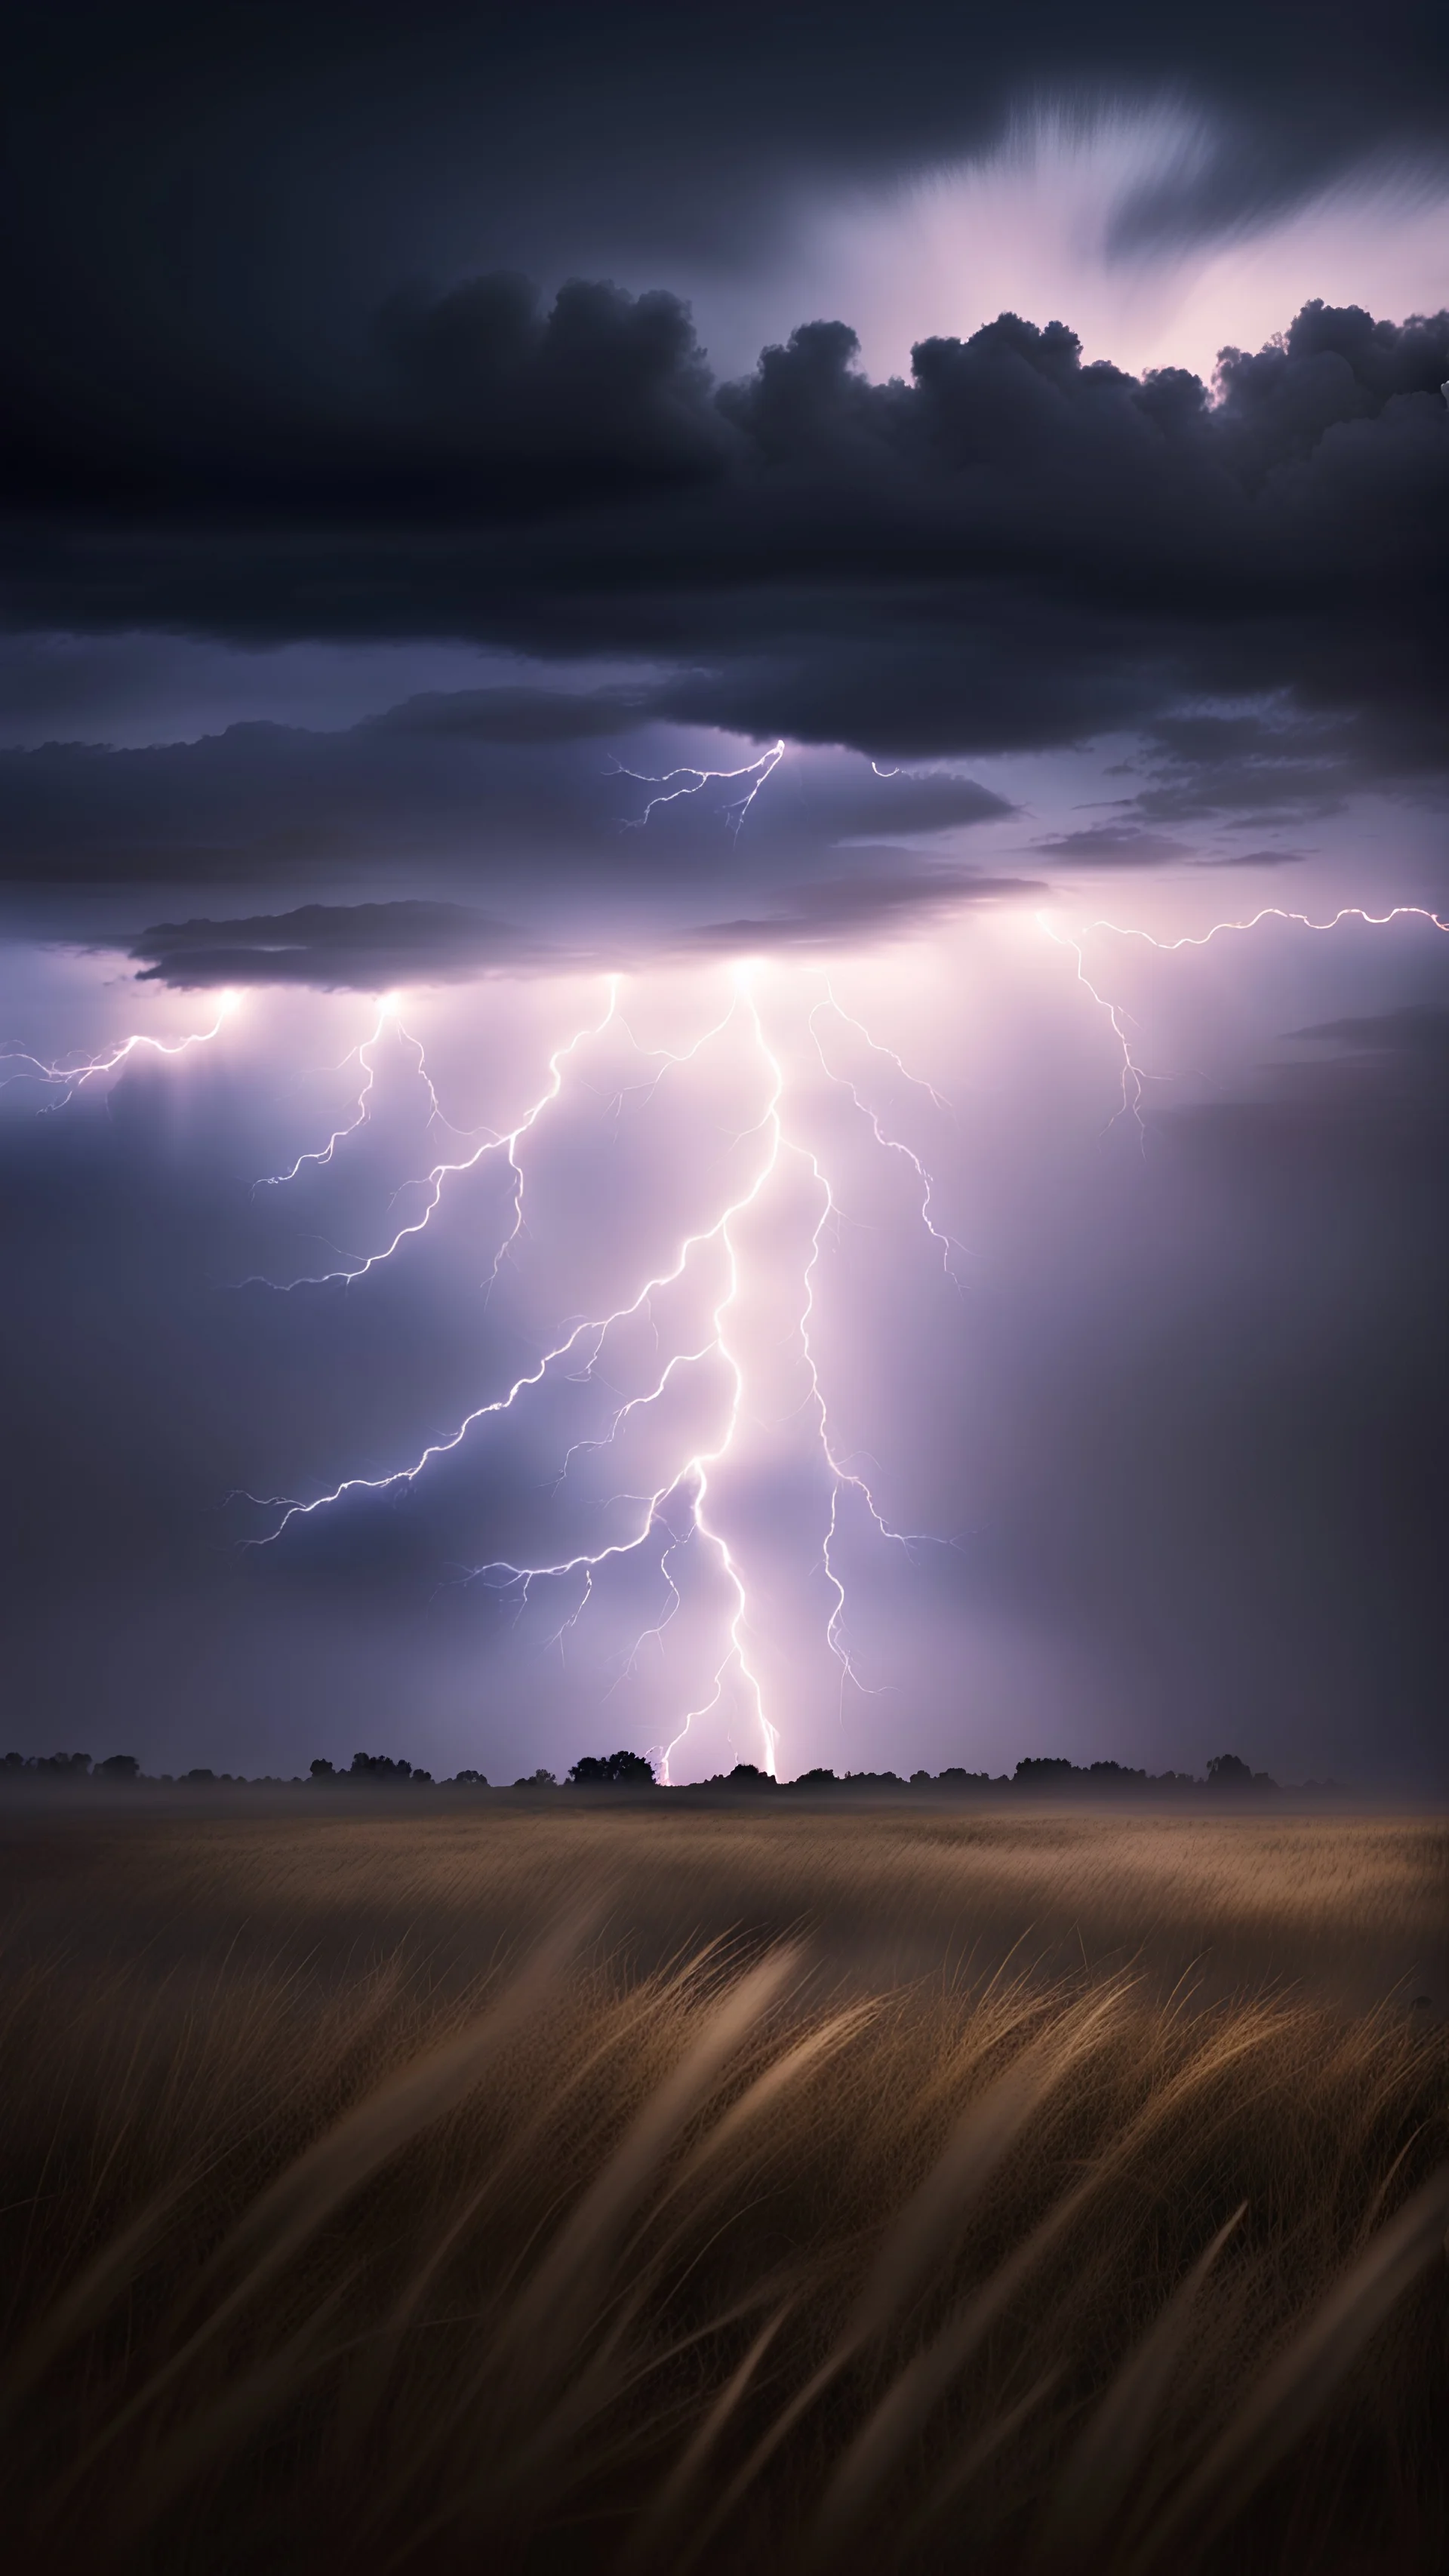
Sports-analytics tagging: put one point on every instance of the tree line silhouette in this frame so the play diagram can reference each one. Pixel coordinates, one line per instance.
(634, 1772)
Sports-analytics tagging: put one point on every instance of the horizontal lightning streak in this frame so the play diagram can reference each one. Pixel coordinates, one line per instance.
(1135, 1076)
(1275, 912)
(74, 1076)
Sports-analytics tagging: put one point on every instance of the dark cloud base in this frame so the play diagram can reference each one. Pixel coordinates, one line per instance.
(497, 828)
(369, 947)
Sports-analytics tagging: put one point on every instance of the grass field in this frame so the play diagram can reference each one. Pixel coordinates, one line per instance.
(565, 2186)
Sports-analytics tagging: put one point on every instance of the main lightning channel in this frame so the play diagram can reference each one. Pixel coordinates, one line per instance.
(687, 1490)
(683, 1510)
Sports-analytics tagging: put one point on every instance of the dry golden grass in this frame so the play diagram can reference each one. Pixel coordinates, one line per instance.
(567, 2190)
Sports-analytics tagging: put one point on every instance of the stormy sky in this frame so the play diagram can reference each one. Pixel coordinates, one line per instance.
(723, 766)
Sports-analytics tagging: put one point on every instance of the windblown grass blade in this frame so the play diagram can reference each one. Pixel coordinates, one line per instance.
(561, 2307)
(275, 2229)
(1294, 2390)
(1108, 2458)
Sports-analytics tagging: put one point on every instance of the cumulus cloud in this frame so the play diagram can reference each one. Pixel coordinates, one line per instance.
(1013, 550)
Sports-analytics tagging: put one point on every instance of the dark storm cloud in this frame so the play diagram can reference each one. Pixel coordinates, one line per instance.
(1111, 845)
(1271, 765)
(508, 790)
(334, 947)
(1416, 1034)
(176, 146)
(1011, 551)
(228, 410)
(517, 715)
(519, 821)
(364, 947)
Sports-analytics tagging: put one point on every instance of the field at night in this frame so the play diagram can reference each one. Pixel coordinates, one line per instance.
(560, 2184)
(724, 1090)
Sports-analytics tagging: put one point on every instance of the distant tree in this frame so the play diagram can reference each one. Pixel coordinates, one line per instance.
(1228, 1771)
(612, 1771)
(422, 1779)
(199, 1777)
(322, 1769)
(540, 1779)
(117, 1766)
(468, 1780)
(1041, 1770)
(817, 1779)
(922, 1780)
(379, 1770)
(748, 1775)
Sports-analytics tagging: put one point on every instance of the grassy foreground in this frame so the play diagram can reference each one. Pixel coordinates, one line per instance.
(566, 2189)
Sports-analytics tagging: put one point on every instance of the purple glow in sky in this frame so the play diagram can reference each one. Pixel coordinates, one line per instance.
(679, 1279)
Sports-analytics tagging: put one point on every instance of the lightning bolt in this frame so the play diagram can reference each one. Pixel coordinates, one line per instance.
(687, 1493)
(434, 1181)
(1275, 912)
(323, 1154)
(71, 1078)
(735, 809)
(1136, 1076)
(388, 1018)
(891, 1144)
(687, 1508)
